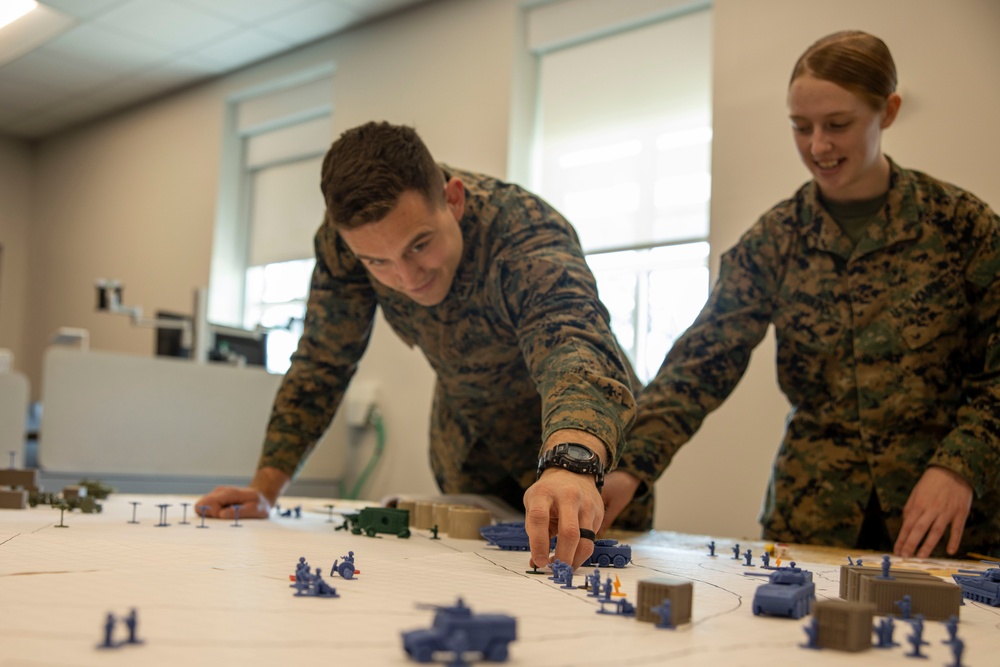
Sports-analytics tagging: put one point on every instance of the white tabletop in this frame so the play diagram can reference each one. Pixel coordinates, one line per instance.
(221, 596)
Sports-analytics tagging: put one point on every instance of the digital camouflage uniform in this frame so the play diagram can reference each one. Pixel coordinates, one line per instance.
(888, 353)
(521, 347)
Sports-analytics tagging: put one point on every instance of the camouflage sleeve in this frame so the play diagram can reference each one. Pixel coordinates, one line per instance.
(972, 448)
(338, 324)
(544, 288)
(708, 360)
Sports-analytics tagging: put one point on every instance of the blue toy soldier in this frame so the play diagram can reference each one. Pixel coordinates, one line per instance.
(711, 548)
(595, 583)
(957, 648)
(884, 630)
(749, 556)
(952, 626)
(131, 621)
(321, 588)
(905, 607)
(665, 611)
(766, 557)
(567, 576)
(812, 633)
(109, 628)
(885, 568)
(736, 552)
(917, 638)
(624, 608)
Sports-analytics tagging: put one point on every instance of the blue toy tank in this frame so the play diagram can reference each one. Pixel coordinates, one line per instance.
(457, 630)
(509, 536)
(788, 592)
(980, 587)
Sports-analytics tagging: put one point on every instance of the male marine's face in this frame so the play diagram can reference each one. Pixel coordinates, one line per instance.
(416, 248)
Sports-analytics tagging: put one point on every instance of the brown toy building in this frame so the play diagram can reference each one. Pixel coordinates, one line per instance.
(652, 592)
(935, 599)
(15, 485)
(844, 626)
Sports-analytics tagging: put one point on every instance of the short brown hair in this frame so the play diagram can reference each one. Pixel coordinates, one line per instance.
(370, 166)
(855, 61)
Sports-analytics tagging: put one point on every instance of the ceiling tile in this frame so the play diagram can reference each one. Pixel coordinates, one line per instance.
(160, 79)
(311, 22)
(105, 55)
(246, 11)
(177, 27)
(244, 48)
(107, 49)
(376, 7)
(83, 8)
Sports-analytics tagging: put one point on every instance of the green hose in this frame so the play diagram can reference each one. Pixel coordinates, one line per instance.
(374, 419)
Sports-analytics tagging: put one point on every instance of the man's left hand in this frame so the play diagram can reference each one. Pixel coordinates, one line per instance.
(941, 498)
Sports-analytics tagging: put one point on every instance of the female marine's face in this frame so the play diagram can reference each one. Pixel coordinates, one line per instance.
(839, 138)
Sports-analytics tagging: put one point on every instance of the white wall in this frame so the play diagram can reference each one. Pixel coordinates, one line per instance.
(15, 216)
(948, 58)
(133, 197)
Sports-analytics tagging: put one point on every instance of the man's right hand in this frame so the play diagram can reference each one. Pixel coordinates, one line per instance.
(255, 500)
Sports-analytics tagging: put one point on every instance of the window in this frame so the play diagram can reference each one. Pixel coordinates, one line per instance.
(262, 265)
(624, 152)
(276, 296)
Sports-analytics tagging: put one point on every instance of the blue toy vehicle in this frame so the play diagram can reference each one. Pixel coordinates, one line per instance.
(509, 536)
(788, 592)
(980, 586)
(609, 552)
(458, 631)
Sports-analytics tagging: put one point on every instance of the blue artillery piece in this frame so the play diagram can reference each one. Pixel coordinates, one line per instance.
(789, 592)
(980, 586)
(457, 630)
(344, 568)
(608, 553)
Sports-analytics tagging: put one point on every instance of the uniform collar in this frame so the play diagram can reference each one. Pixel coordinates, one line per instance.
(901, 211)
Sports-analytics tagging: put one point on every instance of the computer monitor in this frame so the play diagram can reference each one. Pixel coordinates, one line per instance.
(252, 347)
(168, 340)
(225, 344)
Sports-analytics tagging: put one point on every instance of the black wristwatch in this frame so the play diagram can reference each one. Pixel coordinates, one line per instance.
(576, 458)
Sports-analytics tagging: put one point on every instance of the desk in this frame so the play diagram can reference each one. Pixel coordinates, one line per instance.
(221, 596)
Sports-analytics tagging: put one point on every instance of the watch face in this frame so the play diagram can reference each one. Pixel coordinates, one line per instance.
(578, 453)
